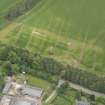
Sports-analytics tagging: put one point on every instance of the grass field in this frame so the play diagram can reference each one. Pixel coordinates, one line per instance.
(72, 29)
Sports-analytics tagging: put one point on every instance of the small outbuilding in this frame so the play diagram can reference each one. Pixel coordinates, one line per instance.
(81, 103)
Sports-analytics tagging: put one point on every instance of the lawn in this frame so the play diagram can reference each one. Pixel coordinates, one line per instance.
(44, 84)
(35, 81)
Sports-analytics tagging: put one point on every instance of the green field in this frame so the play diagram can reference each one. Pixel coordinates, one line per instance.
(73, 30)
(5, 4)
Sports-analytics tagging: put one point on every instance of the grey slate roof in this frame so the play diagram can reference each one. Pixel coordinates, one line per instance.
(32, 91)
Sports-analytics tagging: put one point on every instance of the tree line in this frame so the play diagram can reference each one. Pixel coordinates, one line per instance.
(16, 60)
(20, 8)
(85, 78)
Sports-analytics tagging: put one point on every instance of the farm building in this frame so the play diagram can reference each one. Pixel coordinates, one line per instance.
(32, 91)
(17, 94)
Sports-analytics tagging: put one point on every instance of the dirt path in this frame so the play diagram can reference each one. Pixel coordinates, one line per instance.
(51, 96)
(85, 90)
(54, 93)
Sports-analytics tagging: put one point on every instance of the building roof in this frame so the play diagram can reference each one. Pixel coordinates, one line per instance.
(32, 91)
(5, 100)
(22, 103)
(7, 87)
(10, 100)
(82, 103)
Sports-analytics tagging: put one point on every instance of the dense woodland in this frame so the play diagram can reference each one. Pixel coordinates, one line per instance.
(16, 60)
